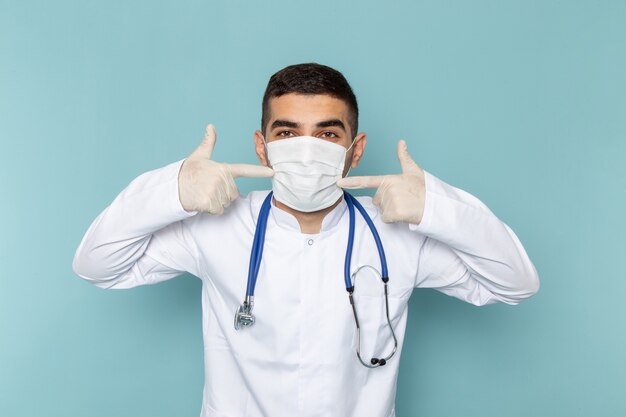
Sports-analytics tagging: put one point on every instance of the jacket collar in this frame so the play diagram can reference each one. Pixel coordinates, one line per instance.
(287, 221)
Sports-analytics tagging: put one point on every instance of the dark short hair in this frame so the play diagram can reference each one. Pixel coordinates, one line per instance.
(311, 79)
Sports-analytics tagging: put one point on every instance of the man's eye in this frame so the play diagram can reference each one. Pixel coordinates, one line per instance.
(329, 135)
(284, 134)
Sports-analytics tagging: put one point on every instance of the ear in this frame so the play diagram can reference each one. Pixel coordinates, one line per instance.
(259, 147)
(358, 148)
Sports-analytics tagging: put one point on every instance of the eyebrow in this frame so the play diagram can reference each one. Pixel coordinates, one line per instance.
(294, 125)
(332, 122)
(284, 123)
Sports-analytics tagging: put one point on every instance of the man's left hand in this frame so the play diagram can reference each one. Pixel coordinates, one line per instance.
(399, 197)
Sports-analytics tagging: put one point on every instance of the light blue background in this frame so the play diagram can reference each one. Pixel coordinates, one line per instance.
(522, 103)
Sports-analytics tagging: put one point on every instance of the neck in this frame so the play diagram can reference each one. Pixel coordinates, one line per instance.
(310, 223)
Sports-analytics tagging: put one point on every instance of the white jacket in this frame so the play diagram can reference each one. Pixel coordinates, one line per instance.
(299, 358)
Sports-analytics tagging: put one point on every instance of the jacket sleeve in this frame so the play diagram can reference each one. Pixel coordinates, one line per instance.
(141, 237)
(468, 252)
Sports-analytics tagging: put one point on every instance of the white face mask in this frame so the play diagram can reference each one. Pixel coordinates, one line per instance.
(306, 169)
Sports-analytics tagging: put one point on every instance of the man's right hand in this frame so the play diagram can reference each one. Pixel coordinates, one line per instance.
(206, 185)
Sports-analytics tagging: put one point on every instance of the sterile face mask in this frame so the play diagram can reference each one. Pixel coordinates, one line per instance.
(306, 170)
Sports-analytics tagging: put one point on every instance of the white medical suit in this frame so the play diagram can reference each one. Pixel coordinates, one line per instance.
(299, 357)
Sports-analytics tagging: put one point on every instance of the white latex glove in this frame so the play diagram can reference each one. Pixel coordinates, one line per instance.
(399, 197)
(206, 185)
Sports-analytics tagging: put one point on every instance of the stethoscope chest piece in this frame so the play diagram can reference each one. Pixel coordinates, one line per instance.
(244, 316)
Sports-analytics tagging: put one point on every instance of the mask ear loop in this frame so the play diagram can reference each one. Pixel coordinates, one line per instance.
(351, 145)
(267, 152)
(348, 150)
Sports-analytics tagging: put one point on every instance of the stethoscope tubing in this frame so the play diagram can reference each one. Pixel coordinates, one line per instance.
(349, 246)
(374, 362)
(259, 240)
(353, 202)
(257, 245)
(244, 316)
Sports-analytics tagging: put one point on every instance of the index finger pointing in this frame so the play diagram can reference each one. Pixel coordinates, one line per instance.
(250, 171)
(361, 182)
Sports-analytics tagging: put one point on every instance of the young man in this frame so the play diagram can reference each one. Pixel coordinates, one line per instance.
(299, 358)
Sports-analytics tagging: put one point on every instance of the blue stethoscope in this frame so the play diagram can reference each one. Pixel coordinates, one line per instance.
(244, 316)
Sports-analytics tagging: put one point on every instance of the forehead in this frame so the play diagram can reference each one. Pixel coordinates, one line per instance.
(307, 109)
